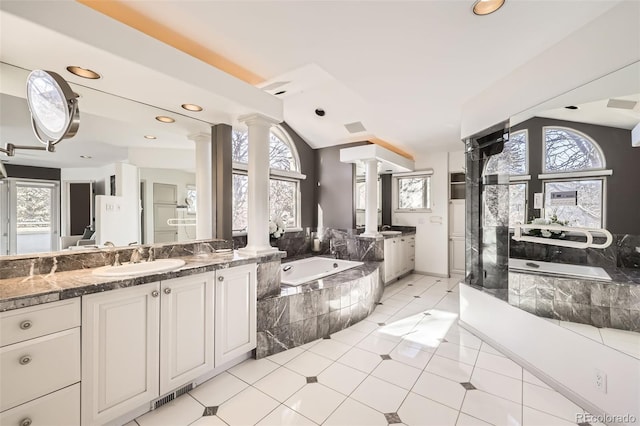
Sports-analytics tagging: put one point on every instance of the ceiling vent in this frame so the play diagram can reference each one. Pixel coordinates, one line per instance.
(621, 104)
(355, 127)
(275, 85)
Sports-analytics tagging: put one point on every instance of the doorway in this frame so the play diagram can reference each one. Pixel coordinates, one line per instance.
(31, 214)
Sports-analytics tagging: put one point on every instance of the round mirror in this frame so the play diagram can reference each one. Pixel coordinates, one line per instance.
(54, 107)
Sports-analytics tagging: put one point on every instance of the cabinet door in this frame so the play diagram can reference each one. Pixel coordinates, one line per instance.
(456, 218)
(235, 318)
(457, 255)
(186, 330)
(120, 330)
(388, 259)
(396, 256)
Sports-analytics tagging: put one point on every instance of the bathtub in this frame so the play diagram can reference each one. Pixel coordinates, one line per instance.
(304, 270)
(563, 269)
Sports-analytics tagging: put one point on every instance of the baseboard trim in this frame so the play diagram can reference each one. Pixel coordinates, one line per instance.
(432, 274)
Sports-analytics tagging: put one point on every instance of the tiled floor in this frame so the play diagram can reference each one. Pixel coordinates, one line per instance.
(409, 363)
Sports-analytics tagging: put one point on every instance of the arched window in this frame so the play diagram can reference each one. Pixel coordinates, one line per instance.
(284, 181)
(574, 184)
(513, 161)
(567, 150)
(513, 158)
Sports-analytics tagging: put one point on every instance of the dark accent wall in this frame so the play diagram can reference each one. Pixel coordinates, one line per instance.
(222, 181)
(386, 199)
(622, 195)
(32, 172)
(335, 188)
(308, 187)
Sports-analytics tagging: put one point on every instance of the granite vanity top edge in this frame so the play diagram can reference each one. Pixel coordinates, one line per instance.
(33, 290)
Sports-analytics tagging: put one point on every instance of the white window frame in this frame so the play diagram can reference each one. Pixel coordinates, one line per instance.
(584, 135)
(395, 191)
(525, 175)
(278, 174)
(526, 197)
(569, 178)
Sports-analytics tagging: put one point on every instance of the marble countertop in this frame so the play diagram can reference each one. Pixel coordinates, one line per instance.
(20, 292)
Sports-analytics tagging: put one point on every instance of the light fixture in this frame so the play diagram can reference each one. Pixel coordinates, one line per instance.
(83, 72)
(165, 119)
(485, 7)
(571, 107)
(149, 137)
(86, 157)
(192, 107)
(320, 112)
(282, 92)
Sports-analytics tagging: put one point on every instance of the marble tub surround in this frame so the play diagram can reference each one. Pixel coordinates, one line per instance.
(63, 261)
(624, 252)
(295, 243)
(316, 309)
(19, 292)
(613, 304)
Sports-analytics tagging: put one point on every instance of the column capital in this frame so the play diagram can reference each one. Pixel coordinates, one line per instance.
(199, 137)
(257, 119)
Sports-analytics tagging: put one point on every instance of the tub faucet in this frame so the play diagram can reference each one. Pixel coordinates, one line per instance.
(334, 248)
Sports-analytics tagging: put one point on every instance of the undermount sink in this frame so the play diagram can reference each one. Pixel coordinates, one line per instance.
(390, 232)
(143, 268)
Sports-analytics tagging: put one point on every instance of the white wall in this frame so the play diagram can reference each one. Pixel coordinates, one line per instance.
(172, 177)
(565, 357)
(608, 43)
(128, 188)
(457, 161)
(432, 253)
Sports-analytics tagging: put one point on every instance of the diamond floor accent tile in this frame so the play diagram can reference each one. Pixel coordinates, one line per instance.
(584, 424)
(210, 411)
(426, 313)
(378, 303)
(312, 379)
(392, 418)
(385, 357)
(326, 338)
(381, 324)
(409, 285)
(417, 297)
(468, 386)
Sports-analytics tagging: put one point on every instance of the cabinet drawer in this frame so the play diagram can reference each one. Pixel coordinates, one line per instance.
(61, 408)
(28, 323)
(39, 366)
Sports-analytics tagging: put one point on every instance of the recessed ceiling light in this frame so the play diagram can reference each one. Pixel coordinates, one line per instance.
(165, 119)
(149, 137)
(83, 72)
(192, 107)
(571, 107)
(485, 7)
(282, 92)
(86, 157)
(320, 112)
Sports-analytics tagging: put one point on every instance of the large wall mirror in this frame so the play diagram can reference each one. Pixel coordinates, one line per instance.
(55, 201)
(571, 161)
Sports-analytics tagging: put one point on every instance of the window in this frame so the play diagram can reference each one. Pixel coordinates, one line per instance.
(517, 204)
(587, 213)
(575, 164)
(567, 150)
(284, 183)
(413, 192)
(513, 160)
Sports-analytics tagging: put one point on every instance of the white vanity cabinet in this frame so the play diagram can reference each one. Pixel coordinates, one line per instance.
(236, 323)
(40, 364)
(143, 342)
(399, 256)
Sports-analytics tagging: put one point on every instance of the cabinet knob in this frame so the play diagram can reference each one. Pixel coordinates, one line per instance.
(25, 360)
(402, 239)
(155, 293)
(167, 290)
(220, 278)
(26, 422)
(26, 325)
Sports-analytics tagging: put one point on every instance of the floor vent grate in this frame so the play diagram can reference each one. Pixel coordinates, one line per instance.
(171, 396)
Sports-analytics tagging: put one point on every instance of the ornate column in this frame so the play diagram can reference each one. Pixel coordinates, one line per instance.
(371, 198)
(204, 221)
(258, 194)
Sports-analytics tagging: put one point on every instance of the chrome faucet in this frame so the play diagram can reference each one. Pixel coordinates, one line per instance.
(136, 255)
(385, 227)
(152, 254)
(109, 244)
(334, 248)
